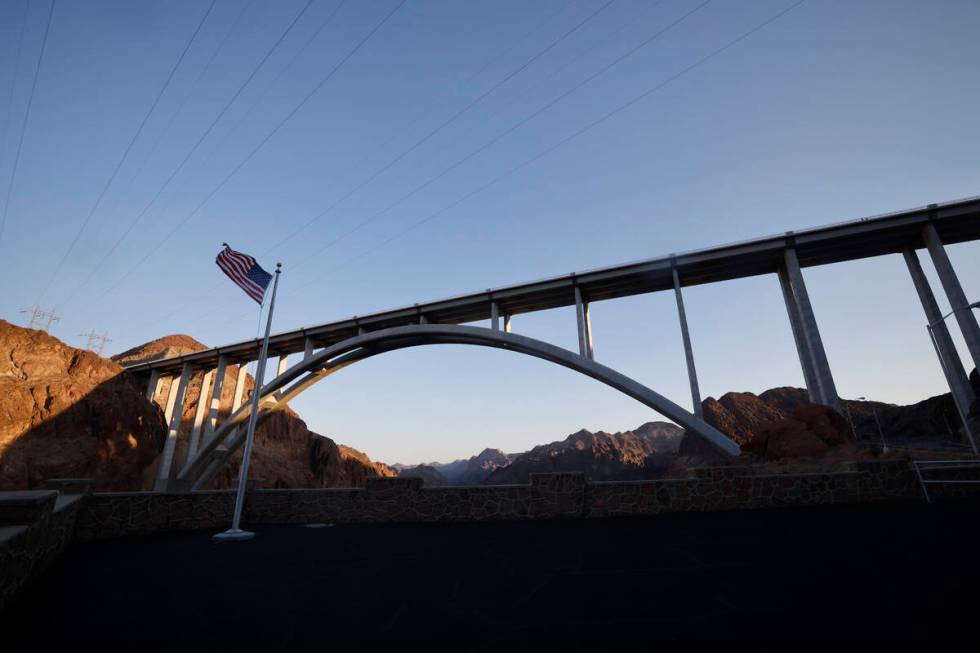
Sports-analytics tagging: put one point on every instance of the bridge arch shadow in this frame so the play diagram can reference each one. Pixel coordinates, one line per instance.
(276, 394)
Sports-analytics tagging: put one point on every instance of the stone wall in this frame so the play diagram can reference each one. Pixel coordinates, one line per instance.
(35, 529)
(548, 496)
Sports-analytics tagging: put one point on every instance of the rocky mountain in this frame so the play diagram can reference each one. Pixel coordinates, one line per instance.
(66, 412)
(782, 424)
(465, 471)
(644, 452)
(286, 453)
(431, 476)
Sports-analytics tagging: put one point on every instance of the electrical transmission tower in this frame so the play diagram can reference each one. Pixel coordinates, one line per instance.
(96, 342)
(41, 319)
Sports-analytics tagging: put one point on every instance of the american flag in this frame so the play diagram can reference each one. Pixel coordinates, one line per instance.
(244, 271)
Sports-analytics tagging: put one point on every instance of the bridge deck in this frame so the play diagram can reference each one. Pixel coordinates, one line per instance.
(956, 222)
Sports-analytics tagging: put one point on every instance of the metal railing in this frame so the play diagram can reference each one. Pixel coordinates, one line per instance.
(921, 466)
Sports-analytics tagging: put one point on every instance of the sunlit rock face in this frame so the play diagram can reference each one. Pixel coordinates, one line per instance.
(66, 412)
(286, 453)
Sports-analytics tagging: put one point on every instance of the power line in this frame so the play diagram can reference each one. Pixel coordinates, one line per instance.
(27, 115)
(258, 100)
(419, 115)
(520, 123)
(170, 123)
(256, 149)
(502, 135)
(125, 155)
(193, 149)
(16, 75)
(588, 127)
(442, 126)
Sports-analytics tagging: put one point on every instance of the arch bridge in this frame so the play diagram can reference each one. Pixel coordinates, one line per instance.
(329, 347)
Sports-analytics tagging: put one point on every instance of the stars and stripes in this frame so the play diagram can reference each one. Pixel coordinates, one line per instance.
(244, 271)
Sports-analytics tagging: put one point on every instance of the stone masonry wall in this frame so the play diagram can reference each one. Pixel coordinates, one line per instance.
(548, 496)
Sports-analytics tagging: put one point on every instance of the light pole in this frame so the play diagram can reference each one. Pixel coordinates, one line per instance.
(962, 410)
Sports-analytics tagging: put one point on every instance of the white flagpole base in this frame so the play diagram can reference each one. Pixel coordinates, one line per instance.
(232, 535)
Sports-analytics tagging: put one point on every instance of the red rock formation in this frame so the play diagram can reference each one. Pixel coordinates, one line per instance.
(286, 453)
(66, 412)
(641, 453)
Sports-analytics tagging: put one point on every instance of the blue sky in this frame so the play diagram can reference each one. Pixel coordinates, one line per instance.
(835, 110)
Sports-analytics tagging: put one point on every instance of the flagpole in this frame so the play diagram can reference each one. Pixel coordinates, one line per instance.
(236, 533)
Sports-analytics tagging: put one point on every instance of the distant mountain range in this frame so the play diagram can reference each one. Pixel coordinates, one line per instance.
(630, 455)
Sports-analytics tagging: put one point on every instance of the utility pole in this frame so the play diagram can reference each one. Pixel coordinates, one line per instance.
(41, 319)
(96, 342)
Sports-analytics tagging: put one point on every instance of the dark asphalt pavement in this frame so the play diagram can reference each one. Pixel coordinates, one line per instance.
(871, 577)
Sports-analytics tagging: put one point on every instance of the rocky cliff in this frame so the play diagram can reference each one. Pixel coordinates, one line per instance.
(630, 455)
(286, 454)
(781, 424)
(65, 412)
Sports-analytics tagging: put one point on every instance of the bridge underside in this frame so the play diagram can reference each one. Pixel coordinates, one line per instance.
(201, 467)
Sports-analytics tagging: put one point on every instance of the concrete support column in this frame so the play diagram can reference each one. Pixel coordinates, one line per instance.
(506, 322)
(692, 373)
(308, 347)
(236, 401)
(949, 359)
(954, 292)
(824, 377)
(283, 364)
(494, 316)
(215, 406)
(202, 403)
(809, 376)
(361, 331)
(151, 388)
(168, 409)
(423, 319)
(175, 405)
(584, 325)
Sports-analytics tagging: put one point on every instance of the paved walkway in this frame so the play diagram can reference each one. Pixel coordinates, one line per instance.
(861, 577)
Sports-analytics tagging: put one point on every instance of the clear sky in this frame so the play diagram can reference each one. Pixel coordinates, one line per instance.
(834, 110)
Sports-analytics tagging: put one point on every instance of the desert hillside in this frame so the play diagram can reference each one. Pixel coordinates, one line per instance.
(66, 412)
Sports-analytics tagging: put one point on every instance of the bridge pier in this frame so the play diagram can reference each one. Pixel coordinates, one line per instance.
(494, 316)
(809, 346)
(507, 323)
(175, 404)
(308, 347)
(584, 321)
(215, 407)
(151, 388)
(692, 374)
(949, 359)
(236, 401)
(954, 292)
(199, 414)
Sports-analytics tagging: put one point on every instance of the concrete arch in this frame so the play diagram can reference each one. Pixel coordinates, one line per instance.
(276, 394)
